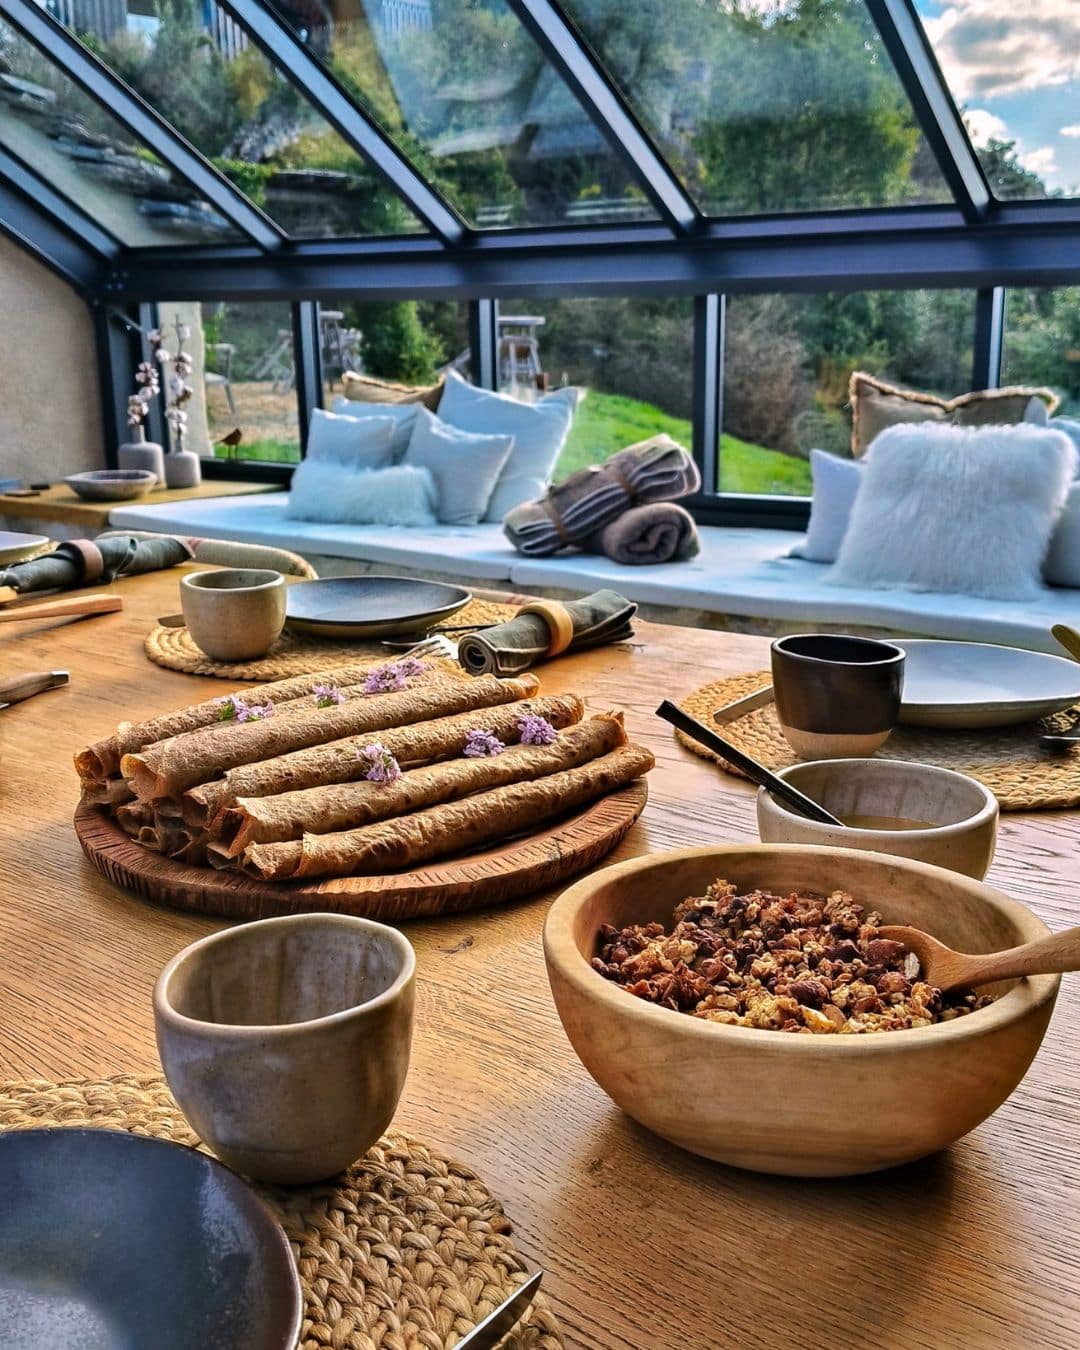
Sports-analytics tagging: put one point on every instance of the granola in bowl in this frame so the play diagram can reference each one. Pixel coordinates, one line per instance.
(803, 963)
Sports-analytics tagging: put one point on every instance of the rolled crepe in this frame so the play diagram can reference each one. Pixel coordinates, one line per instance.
(345, 806)
(340, 762)
(449, 828)
(169, 767)
(112, 791)
(102, 760)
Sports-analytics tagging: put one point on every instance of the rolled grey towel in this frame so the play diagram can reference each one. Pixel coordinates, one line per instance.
(573, 511)
(660, 532)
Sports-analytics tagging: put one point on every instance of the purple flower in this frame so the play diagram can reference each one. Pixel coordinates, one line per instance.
(228, 707)
(480, 743)
(392, 677)
(327, 695)
(411, 667)
(536, 730)
(254, 712)
(384, 767)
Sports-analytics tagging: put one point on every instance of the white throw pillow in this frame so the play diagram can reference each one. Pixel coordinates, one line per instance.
(836, 481)
(398, 495)
(350, 442)
(965, 510)
(1062, 566)
(464, 465)
(539, 430)
(401, 415)
(1069, 425)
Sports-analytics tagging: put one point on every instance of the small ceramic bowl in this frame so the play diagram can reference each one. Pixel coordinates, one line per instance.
(234, 613)
(286, 1042)
(836, 695)
(111, 485)
(963, 813)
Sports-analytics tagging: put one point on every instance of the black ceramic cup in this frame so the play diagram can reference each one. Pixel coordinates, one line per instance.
(836, 696)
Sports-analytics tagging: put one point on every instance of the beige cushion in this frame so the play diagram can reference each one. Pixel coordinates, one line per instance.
(876, 406)
(370, 389)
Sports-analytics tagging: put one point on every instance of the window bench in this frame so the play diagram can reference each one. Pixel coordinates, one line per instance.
(741, 578)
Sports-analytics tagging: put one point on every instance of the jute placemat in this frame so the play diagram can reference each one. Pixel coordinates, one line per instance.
(1007, 760)
(297, 653)
(405, 1251)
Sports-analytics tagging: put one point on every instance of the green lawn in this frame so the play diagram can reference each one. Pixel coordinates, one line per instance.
(606, 423)
(268, 451)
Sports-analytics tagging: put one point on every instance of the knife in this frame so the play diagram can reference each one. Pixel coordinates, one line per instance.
(760, 698)
(18, 687)
(494, 1327)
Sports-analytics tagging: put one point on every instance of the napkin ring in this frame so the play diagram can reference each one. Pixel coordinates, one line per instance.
(560, 624)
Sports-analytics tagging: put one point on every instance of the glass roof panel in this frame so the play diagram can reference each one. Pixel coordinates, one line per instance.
(89, 156)
(195, 66)
(464, 92)
(1014, 71)
(767, 105)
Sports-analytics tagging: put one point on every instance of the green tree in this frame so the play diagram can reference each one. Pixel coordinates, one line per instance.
(395, 345)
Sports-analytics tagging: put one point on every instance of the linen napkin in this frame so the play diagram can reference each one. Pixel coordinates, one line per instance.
(511, 647)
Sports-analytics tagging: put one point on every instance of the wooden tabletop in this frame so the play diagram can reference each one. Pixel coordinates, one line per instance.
(644, 1247)
(61, 506)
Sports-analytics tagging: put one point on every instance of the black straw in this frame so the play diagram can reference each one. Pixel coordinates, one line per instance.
(758, 773)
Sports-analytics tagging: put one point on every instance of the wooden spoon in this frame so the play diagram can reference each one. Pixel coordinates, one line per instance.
(946, 969)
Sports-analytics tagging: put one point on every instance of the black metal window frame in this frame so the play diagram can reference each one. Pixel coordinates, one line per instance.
(977, 243)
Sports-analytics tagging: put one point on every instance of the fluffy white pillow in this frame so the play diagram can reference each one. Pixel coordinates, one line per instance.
(539, 430)
(350, 442)
(957, 509)
(464, 465)
(836, 481)
(402, 417)
(398, 495)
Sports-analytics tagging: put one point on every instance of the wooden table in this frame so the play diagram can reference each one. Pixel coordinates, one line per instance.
(645, 1247)
(59, 505)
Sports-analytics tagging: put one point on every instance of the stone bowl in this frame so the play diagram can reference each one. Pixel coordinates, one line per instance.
(798, 1105)
(111, 485)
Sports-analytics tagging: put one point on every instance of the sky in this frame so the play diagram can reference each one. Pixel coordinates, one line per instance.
(1014, 68)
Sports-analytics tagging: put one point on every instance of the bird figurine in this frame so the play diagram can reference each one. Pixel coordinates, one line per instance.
(231, 441)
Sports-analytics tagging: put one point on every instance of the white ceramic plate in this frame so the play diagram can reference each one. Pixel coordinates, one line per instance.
(976, 684)
(15, 547)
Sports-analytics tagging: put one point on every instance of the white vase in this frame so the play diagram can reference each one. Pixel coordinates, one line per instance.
(142, 454)
(182, 469)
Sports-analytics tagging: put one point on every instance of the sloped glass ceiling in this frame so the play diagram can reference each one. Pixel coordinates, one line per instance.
(195, 66)
(88, 155)
(1014, 71)
(464, 92)
(767, 105)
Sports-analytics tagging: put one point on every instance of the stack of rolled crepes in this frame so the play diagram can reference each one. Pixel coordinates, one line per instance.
(289, 794)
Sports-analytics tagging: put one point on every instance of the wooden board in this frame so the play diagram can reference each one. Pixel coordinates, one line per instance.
(517, 869)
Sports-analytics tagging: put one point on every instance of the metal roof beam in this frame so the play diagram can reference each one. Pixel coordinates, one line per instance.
(289, 55)
(560, 43)
(907, 44)
(96, 79)
(42, 235)
(16, 173)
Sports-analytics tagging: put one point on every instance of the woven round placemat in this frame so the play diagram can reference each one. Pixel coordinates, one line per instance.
(1007, 760)
(404, 1251)
(297, 653)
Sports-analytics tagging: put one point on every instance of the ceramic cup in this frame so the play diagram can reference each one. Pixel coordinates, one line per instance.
(234, 613)
(286, 1042)
(836, 696)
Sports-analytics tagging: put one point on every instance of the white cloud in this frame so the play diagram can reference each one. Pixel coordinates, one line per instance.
(986, 126)
(991, 48)
(1040, 161)
(1073, 131)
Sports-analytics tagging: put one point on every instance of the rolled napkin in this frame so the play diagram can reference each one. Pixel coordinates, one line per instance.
(655, 470)
(657, 533)
(511, 647)
(88, 562)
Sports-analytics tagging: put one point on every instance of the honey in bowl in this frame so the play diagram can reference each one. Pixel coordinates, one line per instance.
(887, 823)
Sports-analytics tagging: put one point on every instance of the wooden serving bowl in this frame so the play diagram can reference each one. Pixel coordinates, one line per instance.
(800, 1105)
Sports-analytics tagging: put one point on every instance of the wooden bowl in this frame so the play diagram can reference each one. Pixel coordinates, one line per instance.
(963, 812)
(800, 1105)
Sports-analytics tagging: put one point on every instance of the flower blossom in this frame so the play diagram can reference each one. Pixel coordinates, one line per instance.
(254, 712)
(327, 695)
(395, 675)
(481, 743)
(229, 707)
(536, 730)
(384, 767)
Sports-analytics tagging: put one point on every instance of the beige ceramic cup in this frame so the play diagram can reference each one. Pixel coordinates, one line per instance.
(234, 613)
(286, 1042)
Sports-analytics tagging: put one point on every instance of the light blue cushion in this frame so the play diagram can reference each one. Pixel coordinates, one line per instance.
(401, 415)
(464, 465)
(351, 442)
(539, 430)
(836, 482)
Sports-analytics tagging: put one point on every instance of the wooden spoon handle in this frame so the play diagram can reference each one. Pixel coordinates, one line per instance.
(1049, 956)
(59, 609)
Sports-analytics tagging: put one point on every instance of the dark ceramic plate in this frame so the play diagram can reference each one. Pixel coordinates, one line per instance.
(112, 1241)
(371, 607)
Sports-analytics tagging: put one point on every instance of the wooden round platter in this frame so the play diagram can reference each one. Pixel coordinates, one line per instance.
(516, 869)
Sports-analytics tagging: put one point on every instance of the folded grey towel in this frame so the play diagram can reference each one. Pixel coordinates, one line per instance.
(655, 470)
(657, 533)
